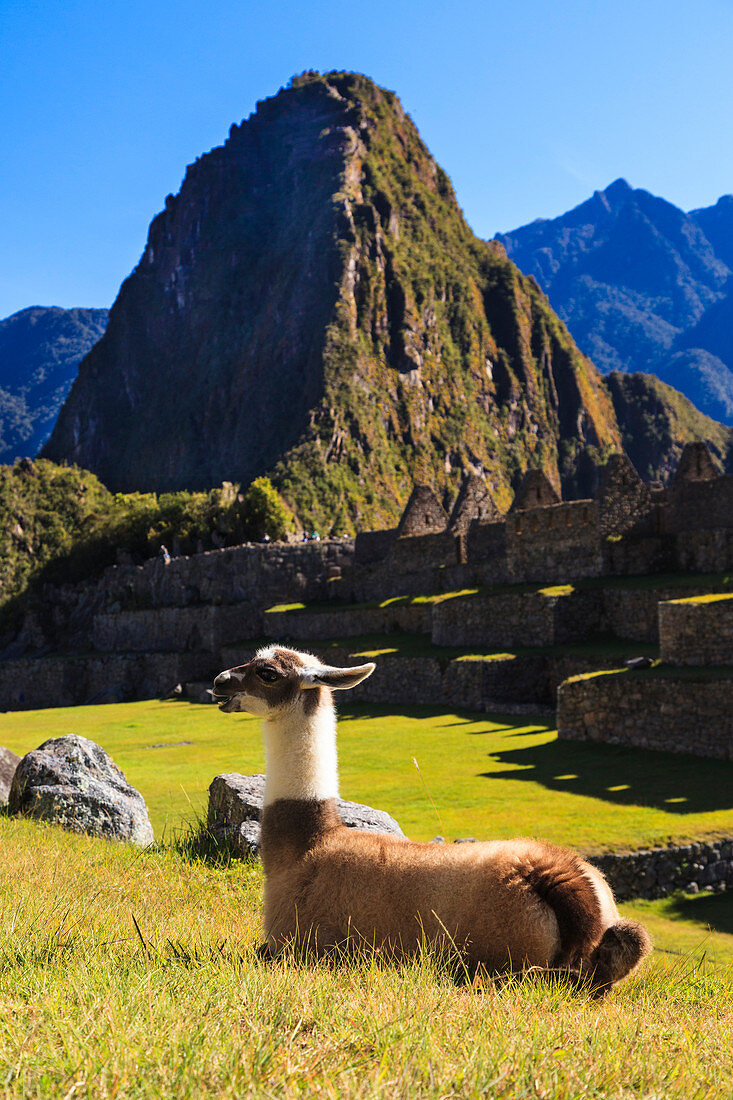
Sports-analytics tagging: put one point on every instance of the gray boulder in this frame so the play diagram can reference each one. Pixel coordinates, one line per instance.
(235, 805)
(73, 782)
(8, 763)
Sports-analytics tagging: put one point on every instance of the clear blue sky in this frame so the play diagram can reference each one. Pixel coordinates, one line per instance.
(529, 105)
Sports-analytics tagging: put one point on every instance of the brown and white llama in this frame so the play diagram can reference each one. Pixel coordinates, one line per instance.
(506, 905)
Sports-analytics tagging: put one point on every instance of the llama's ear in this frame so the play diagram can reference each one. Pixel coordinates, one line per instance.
(335, 678)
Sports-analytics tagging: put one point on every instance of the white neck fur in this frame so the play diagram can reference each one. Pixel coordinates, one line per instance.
(301, 753)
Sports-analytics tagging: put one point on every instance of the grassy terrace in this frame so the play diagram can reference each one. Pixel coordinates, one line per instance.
(402, 644)
(719, 582)
(92, 1007)
(665, 672)
(488, 775)
(712, 597)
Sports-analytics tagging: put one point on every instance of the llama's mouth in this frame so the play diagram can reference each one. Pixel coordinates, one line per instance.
(229, 703)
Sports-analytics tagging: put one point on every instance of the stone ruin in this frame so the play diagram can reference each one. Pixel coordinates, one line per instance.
(137, 631)
(625, 529)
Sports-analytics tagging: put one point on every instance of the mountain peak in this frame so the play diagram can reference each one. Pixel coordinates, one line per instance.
(636, 279)
(619, 190)
(312, 305)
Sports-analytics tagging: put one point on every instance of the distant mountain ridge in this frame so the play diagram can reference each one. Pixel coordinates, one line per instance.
(40, 351)
(642, 286)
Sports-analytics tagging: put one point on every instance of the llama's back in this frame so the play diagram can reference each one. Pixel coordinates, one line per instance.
(389, 891)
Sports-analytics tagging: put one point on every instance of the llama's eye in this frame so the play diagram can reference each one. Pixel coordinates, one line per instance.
(268, 675)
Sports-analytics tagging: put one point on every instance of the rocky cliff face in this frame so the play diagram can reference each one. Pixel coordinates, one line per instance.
(642, 286)
(313, 305)
(40, 351)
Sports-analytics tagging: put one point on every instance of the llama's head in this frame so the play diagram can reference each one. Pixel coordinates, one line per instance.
(278, 680)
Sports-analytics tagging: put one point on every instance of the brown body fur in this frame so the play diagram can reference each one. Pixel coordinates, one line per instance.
(500, 904)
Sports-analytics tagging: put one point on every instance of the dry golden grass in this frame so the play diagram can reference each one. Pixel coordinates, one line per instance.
(92, 1007)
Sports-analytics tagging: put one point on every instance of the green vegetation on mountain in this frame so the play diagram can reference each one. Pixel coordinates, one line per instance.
(60, 523)
(656, 421)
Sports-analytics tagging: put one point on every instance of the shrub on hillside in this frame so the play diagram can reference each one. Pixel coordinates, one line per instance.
(60, 523)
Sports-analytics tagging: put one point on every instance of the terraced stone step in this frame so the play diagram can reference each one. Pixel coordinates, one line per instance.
(686, 710)
(500, 616)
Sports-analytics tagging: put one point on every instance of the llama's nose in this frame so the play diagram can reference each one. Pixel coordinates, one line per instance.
(226, 682)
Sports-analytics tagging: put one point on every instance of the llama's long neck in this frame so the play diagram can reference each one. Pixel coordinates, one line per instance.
(301, 751)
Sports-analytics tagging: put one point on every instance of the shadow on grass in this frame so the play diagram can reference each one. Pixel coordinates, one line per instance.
(624, 776)
(490, 722)
(711, 910)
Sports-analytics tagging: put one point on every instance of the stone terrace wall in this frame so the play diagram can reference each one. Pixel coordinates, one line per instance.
(557, 543)
(704, 551)
(658, 872)
(347, 622)
(650, 711)
(422, 551)
(34, 683)
(175, 629)
(517, 619)
(697, 633)
(371, 546)
(252, 573)
(636, 556)
(698, 505)
(486, 551)
(633, 613)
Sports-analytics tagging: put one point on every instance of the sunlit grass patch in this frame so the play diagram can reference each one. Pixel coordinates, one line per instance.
(176, 1002)
(488, 775)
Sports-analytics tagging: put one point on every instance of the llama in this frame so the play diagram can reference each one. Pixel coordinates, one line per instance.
(502, 905)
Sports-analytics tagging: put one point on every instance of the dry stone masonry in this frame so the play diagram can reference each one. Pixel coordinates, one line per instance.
(697, 631)
(548, 574)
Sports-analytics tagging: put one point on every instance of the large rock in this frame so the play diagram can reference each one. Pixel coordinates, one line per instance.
(235, 805)
(73, 782)
(8, 763)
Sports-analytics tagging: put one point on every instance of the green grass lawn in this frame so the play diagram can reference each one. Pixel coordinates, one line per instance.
(133, 974)
(488, 775)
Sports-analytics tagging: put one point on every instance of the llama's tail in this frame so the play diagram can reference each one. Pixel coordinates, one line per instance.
(559, 878)
(622, 947)
(598, 956)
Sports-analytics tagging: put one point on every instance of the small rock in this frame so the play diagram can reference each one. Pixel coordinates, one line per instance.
(692, 888)
(639, 662)
(465, 840)
(438, 840)
(8, 763)
(235, 804)
(73, 782)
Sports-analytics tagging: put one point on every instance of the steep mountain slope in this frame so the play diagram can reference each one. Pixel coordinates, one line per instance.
(633, 277)
(313, 305)
(656, 421)
(312, 302)
(40, 351)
